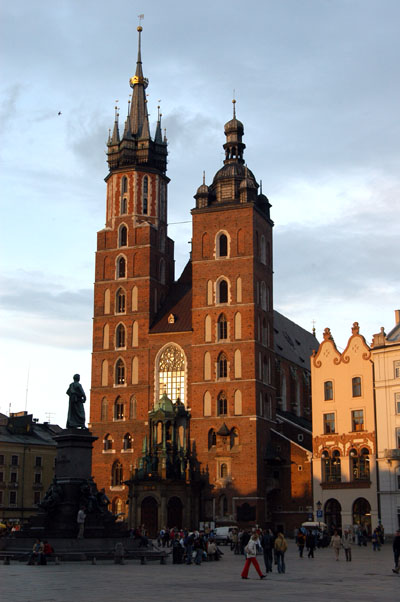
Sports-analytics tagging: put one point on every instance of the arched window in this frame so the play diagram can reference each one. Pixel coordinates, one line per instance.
(328, 390)
(120, 305)
(107, 442)
(134, 298)
(107, 301)
(145, 194)
(212, 438)
(222, 245)
(135, 334)
(263, 256)
(127, 442)
(359, 464)
(222, 404)
(119, 409)
(123, 236)
(120, 372)
(124, 185)
(239, 289)
(104, 409)
(106, 336)
(331, 469)
(120, 336)
(207, 404)
(171, 373)
(222, 328)
(223, 471)
(356, 386)
(207, 366)
(135, 370)
(209, 292)
(238, 402)
(222, 291)
(124, 205)
(116, 474)
(207, 329)
(132, 408)
(238, 325)
(234, 437)
(121, 267)
(104, 373)
(222, 371)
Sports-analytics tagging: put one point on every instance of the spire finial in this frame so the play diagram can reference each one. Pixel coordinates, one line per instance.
(204, 177)
(260, 186)
(129, 104)
(234, 107)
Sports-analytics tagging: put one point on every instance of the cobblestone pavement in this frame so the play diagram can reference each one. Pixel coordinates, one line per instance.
(368, 578)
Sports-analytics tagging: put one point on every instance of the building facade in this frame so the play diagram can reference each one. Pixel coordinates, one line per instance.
(386, 357)
(205, 341)
(27, 459)
(344, 433)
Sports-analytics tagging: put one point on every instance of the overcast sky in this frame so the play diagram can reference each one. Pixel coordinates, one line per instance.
(317, 87)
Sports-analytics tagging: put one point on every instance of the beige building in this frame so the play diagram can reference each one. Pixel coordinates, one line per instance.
(386, 358)
(344, 437)
(27, 458)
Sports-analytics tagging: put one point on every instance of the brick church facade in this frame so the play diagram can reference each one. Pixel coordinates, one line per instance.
(204, 341)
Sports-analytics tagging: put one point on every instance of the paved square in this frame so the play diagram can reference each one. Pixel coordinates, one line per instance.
(368, 578)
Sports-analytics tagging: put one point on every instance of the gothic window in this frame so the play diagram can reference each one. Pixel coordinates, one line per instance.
(207, 366)
(135, 370)
(222, 288)
(107, 301)
(222, 404)
(120, 337)
(107, 443)
(106, 336)
(132, 408)
(238, 402)
(123, 236)
(120, 372)
(223, 471)
(238, 363)
(145, 194)
(222, 328)
(234, 437)
(127, 442)
(356, 386)
(222, 245)
(222, 370)
(104, 373)
(207, 329)
(124, 185)
(212, 438)
(238, 325)
(120, 301)
(121, 267)
(171, 373)
(135, 334)
(135, 298)
(328, 390)
(104, 409)
(239, 289)
(124, 205)
(116, 474)
(119, 410)
(207, 404)
(209, 292)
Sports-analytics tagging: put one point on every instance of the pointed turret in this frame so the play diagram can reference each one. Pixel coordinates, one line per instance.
(138, 116)
(158, 135)
(115, 136)
(234, 146)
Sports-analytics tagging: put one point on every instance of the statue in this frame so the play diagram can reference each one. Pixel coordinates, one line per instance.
(76, 411)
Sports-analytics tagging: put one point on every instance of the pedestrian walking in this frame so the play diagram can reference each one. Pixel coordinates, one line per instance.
(347, 541)
(280, 547)
(301, 541)
(396, 552)
(251, 553)
(336, 543)
(310, 544)
(267, 544)
(376, 544)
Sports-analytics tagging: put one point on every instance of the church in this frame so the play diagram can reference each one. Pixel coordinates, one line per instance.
(200, 415)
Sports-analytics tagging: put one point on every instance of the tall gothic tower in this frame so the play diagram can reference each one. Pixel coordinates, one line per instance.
(205, 342)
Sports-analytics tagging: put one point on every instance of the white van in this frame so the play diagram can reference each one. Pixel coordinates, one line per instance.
(223, 534)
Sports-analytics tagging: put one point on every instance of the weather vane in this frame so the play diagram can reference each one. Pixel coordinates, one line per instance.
(140, 17)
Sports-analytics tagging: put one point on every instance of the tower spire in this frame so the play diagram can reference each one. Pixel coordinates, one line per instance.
(138, 112)
(115, 136)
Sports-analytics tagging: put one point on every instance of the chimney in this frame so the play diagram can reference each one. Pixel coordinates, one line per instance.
(397, 316)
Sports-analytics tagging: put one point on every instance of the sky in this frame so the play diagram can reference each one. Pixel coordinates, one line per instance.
(317, 88)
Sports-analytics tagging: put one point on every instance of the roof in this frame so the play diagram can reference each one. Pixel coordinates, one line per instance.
(176, 313)
(394, 334)
(303, 423)
(39, 435)
(293, 342)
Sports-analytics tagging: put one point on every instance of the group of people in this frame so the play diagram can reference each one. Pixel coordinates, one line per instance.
(273, 547)
(41, 552)
(190, 547)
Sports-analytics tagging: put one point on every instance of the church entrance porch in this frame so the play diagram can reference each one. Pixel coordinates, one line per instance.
(149, 515)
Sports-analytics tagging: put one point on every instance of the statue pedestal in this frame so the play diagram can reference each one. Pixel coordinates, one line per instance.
(74, 454)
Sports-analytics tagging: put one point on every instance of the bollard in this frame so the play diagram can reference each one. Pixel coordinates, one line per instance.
(94, 560)
(6, 560)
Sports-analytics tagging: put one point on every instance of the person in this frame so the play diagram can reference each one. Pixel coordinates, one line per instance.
(376, 544)
(251, 553)
(310, 544)
(346, 543)
(177, 550)
(267, 544)
(280, 547)
(396, 552)
(189, 547)
(235, 541)
(212, 550)
(300, 540)
(37, 552)
(336, 543)
(199, 549)
(76, 411)
(80, 519)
